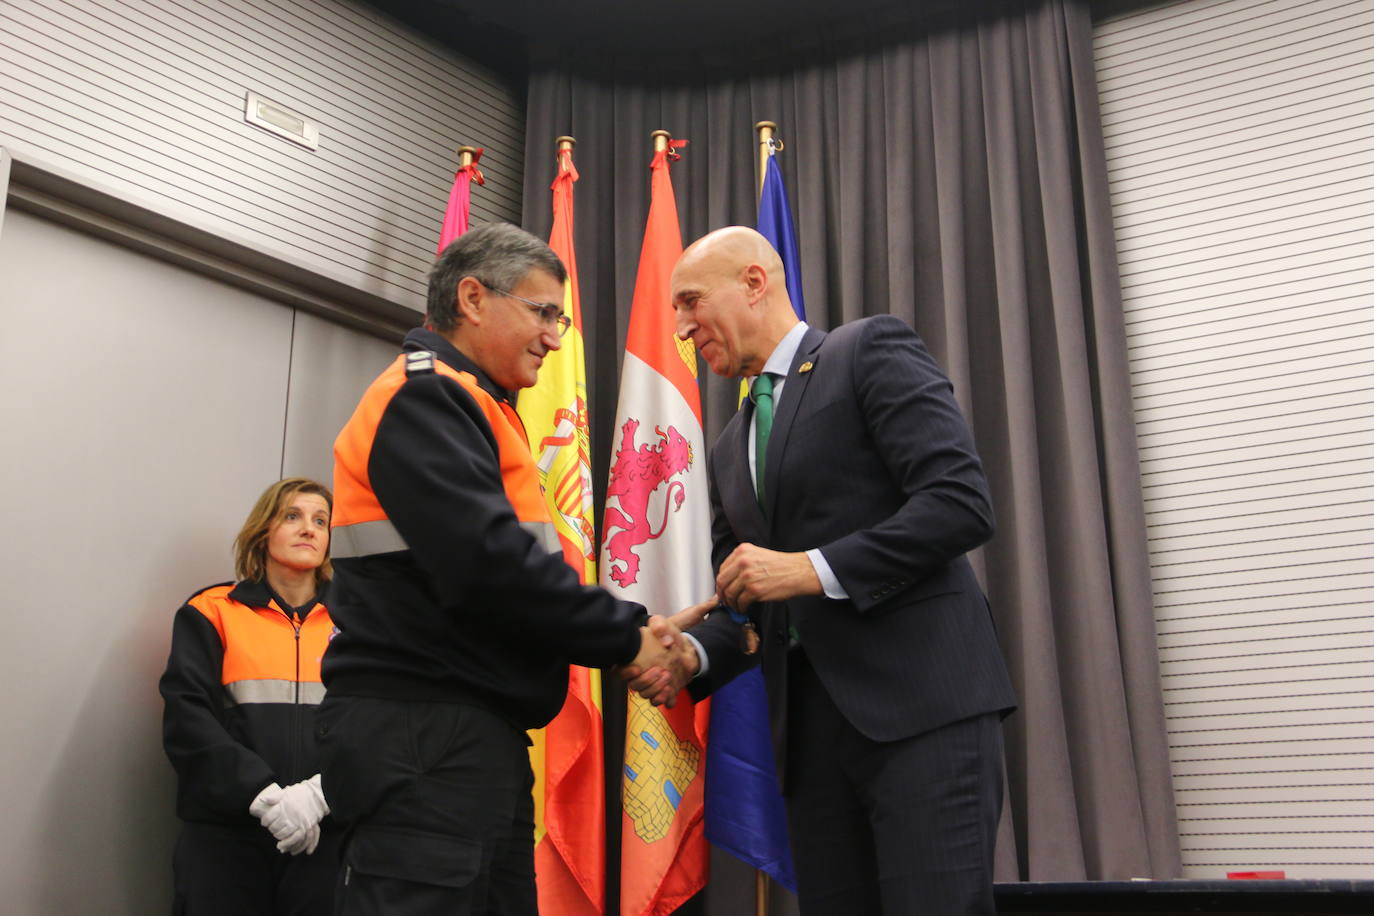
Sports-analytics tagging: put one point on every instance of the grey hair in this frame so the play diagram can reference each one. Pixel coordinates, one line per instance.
(498, 255)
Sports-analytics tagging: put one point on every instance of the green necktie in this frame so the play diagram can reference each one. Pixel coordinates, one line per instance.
(762, 394)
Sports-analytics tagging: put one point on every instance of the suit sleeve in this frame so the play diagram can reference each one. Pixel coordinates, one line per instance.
(216, 772)
(435, 468)
(915, 426)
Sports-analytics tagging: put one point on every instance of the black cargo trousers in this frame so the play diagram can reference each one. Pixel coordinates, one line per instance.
(436, 798)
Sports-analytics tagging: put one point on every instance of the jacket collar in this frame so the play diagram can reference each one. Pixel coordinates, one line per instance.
(256, 593)
(425, 339)
(783, 357)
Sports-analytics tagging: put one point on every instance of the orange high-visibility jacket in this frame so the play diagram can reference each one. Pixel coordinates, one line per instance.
(449, 578)
(240, 690)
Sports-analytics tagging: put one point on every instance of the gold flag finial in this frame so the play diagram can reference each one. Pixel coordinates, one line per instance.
(565, 144)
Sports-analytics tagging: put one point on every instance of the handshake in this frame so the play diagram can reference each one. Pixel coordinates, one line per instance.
(292, 815)
(666, 660)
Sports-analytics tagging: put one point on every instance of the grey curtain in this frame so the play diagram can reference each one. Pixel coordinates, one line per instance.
(946, 166)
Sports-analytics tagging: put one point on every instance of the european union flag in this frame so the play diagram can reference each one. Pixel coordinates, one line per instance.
(744, 809)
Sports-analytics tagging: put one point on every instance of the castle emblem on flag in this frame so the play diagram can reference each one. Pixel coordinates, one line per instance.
(635, 476)
(658, 769)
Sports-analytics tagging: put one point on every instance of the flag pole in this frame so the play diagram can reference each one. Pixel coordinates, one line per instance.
(767, 145)
(765, 130)
(743, 787)
(465, 154)
(660, 138)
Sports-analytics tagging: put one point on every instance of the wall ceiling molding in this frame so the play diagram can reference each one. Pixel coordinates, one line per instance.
(46, 190)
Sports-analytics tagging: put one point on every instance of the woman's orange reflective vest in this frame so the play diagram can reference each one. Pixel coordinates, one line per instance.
(241, 686)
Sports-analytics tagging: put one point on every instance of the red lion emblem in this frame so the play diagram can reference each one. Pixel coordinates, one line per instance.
(634, 477)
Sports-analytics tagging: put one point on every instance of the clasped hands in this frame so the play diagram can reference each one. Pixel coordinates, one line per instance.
(667, 662)
(292, 815)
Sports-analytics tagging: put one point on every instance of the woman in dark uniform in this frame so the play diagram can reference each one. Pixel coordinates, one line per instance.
(241, 688)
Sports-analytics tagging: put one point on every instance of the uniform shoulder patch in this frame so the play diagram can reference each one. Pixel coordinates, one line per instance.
(419, 362)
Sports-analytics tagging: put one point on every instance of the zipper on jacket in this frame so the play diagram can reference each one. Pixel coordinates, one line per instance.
(294, 763)
(296, 706)
(298, 738)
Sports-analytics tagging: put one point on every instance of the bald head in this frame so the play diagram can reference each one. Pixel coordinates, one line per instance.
(734, 247)
(730, 295)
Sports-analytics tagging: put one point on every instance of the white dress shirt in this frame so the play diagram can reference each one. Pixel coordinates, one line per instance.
(779, 363)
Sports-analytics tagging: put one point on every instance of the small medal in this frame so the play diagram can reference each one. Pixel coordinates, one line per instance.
(749, 638)
(748, 633)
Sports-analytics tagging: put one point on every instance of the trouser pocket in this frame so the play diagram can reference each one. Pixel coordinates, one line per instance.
(395, 870)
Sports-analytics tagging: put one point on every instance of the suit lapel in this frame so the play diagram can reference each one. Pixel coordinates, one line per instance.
(736, 484)
(793, 394)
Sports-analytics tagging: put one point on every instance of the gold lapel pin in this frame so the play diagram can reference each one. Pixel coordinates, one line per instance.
(805, 367)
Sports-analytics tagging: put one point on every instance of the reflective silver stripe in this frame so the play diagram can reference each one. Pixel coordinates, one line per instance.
(546, 534)
(365, 538)
(272, 690)
(312, 693)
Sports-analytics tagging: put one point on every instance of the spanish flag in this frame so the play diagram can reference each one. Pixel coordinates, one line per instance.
(567, 755)
(656, 549)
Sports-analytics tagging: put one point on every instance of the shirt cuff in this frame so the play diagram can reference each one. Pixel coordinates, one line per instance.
(829, 583)
(701, 655)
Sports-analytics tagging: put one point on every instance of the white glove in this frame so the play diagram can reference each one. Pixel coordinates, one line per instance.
(300, 807)
(306, 844)
(265, 800)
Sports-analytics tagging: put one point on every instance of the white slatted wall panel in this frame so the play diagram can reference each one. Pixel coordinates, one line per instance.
(144, 98)
(1240, 143)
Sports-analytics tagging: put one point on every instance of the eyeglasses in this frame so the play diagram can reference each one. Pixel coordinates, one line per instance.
(550, 315)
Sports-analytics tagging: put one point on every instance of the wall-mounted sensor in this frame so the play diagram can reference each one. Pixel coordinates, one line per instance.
(283, 122)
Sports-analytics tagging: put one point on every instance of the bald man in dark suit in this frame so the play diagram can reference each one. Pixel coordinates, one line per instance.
(844, 574)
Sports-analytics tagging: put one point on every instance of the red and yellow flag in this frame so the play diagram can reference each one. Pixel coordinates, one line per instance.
(656, 549)
(567, 755)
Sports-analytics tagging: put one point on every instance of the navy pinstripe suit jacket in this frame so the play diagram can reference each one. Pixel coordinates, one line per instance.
(871, 461)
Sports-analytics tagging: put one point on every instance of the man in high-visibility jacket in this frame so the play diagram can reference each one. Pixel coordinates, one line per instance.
(458, 617)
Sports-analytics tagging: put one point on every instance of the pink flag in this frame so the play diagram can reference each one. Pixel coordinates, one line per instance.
(460, 202)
